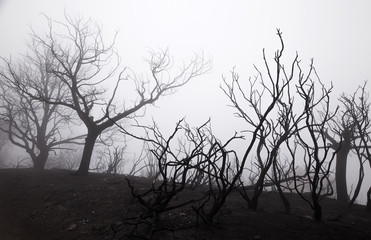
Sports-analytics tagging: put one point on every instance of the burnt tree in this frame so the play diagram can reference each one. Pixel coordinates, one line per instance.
(266, 105)
(349, 130)
(316, 152)
(37, 127)
(85, 65)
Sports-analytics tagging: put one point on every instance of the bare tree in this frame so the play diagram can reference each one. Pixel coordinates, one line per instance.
(283, 178)
(150, 169)
(37, 127)
(357, 113)
(357, 108)
(256, 105)
(20, 162)
(3, 141)
(3, 136)
(111, 159)
(65, 158)
(198, 157)
(347, 130)
(85, 66)
(317, 153)
(220, 165)
(117, 160)
(176, 158)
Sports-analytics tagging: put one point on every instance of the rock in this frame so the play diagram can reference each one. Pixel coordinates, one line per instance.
(72, 227)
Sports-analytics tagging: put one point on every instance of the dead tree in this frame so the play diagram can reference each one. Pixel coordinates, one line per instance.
(37, 127)
(221, 168)
(199, 158)
(111, 159)
(176, 156)
(349, 128)
(282, 177)
(4, 139)
(150, 169)
(66, 159)
(357, 108)
(256, 106)
(85, 65)
(316, 153)
(362, 159)
(357, 111)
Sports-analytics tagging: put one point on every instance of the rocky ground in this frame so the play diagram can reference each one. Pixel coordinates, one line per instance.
(54, 204)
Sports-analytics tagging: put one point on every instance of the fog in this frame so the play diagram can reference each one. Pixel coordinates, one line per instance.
(336, 34)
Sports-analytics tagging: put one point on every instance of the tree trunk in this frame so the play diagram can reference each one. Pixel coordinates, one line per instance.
(277, 181)
(317, 211)
(254, 203)
(369, 200)
(258, 189)
(38, 165)
(87, 153)
(284, 200)
(359, 185)
(40, 160)
(341, 174)
(215, 208)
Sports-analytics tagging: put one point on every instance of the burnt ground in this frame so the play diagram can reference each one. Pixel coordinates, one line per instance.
(53, 204)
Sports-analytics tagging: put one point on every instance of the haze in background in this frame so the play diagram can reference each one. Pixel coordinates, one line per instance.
(336, 34)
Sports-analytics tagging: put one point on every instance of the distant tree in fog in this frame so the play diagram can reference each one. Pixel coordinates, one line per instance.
(3, 136)
(37, 127)
(357, 112)
(83, 65)
(66, 158)
(350, 130)
(3, 141)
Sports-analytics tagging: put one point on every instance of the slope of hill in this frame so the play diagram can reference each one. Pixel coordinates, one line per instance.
(54, 204)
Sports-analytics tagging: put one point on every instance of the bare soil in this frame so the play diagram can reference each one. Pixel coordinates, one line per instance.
(54, 204)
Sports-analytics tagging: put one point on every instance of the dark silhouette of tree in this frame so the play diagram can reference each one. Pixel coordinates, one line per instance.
(266, 106)
(37, 127)
(84, 65)
(311, 139)
(349, 128)
(176, 157)
(3, 141)
(3, 136)
(357, 111)
(220, 168)
(198, 157)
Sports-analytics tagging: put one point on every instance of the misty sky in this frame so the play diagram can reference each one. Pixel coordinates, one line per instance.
(336, 34)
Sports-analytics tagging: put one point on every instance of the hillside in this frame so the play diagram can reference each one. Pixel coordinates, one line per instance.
(54, 204)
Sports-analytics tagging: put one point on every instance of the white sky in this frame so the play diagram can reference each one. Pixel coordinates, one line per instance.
(336, 33)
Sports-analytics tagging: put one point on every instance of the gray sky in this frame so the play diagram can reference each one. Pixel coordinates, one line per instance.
(336, 33)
